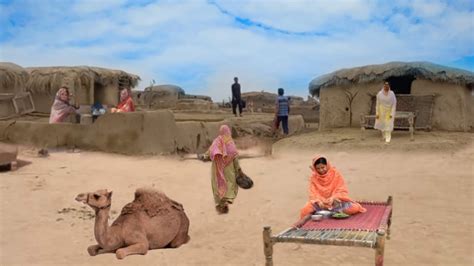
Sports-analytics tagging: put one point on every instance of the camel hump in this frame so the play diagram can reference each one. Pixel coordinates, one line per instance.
(151, 201)
(178, 206)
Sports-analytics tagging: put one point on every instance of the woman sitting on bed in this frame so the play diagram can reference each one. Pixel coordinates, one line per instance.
(328, 191)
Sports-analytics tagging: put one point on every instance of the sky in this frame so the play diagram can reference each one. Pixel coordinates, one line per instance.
(201, 45)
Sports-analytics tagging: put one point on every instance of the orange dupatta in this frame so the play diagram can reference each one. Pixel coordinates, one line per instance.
(329, 185)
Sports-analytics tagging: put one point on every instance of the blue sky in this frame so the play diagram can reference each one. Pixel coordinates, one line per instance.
(201, 45)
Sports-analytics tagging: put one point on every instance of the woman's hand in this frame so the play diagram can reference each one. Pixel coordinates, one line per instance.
(330, 202)
(318, 202)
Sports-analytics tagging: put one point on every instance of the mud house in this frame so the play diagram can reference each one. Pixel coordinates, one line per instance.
(169, 96)
(265, 102)
(13, 96)
(87, 84)
(441, 96)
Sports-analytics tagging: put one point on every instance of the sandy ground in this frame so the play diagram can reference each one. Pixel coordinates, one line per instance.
(41, 224)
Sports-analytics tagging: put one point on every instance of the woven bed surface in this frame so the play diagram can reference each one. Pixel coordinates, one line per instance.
(376, 215)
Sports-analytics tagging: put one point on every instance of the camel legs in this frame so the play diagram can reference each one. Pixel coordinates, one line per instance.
(96, 250)
(139, 248)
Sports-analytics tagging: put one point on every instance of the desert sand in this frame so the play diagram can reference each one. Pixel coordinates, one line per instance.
(432, 187)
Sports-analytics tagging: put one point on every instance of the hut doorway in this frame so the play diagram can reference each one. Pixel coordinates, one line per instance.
(401, 84)
(99, 93)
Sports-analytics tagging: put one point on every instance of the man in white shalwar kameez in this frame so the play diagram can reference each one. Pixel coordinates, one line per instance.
(385, 111)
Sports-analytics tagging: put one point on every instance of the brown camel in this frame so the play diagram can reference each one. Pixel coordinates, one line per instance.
(151, 221)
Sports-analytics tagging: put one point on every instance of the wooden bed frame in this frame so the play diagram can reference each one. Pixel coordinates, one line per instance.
(339, 237)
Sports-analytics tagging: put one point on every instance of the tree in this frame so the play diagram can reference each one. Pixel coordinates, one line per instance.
(351, 93)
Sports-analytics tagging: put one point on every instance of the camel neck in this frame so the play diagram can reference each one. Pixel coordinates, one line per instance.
(101, 227)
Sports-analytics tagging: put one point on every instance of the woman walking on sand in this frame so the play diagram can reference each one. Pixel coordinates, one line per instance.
(385, 111)
(225, 167)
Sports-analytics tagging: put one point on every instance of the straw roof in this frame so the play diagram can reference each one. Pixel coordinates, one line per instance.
(49, 79)
(167, 88)
(13, 78)
(379, 73)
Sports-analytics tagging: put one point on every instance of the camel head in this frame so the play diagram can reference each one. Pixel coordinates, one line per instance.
(100, 199)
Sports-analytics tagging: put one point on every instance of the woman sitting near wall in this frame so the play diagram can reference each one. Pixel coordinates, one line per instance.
(61, 108)
(126, 102)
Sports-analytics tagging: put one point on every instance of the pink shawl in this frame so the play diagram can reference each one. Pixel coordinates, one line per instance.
(222, 153)
(60, 109)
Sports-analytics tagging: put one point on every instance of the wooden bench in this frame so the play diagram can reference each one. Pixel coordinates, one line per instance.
(369, 229)
(409, 116)
(413, 112)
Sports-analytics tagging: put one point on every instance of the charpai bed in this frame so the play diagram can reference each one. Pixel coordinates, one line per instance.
(369, 229)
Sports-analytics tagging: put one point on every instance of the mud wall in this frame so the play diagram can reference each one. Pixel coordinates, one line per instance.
(131, 133)
(43, 102)
(451, 109)
(194, 136)
(452, 106)
(152, 132)
(335, 109)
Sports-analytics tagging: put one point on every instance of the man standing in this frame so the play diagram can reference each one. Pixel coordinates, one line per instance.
(236, 100)
(282, 110)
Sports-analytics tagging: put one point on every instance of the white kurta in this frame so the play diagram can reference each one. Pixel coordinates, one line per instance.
(385, 110)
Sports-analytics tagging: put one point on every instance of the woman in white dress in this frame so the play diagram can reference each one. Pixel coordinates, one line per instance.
(385, 111)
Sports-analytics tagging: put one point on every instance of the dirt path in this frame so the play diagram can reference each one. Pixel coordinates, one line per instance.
(41, 223)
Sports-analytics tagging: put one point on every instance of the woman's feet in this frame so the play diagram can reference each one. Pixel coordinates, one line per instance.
(222, 209)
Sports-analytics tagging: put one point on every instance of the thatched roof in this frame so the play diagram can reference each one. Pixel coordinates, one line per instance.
(13, 78)
(379, 73)
(49, 79)
(166, 88)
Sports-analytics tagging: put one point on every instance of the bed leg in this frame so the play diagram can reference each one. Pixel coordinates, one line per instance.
(13, 166)
(268, 245)
(411, 121)
(389, 222)
(362, 126)
(379, 248)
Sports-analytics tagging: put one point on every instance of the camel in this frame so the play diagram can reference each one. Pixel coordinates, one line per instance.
(150, 221)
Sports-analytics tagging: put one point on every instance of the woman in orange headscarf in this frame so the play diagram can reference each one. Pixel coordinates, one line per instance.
(328, 191)
(126, 102)
(225, 166)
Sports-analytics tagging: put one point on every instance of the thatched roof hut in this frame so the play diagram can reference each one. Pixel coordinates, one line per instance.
(440, 95)
(49, 79)
(87, 84)
(382, 72)
(13, 78)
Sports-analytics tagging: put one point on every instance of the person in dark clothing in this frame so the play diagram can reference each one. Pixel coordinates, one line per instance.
(282, 110)
(236, 99)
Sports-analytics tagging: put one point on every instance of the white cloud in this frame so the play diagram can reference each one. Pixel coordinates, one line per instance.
(195, 45)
